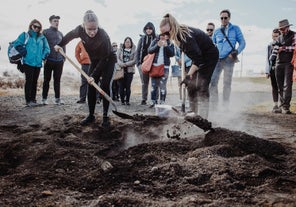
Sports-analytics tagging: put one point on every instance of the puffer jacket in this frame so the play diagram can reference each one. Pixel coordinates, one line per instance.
(37, 48)
(81, 54)
(131, 63)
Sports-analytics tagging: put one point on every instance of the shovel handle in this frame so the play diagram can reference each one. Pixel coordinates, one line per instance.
(183, 74)
(87, 77)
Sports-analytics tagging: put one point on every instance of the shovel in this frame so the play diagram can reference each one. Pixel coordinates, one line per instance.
(108, 98)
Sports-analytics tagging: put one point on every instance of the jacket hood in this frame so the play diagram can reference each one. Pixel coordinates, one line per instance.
(149, 24)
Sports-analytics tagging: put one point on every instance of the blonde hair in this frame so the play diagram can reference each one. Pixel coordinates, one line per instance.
(90, 16)
(178, 31)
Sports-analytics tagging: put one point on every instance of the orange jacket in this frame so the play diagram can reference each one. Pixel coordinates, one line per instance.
(81, 54)
(294, 64)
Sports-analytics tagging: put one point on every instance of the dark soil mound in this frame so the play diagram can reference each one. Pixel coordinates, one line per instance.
(59, 163)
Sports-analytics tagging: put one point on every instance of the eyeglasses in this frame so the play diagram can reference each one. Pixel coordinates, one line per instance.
(283, 29)
(36, 26)
(210, 30)
(223, 18)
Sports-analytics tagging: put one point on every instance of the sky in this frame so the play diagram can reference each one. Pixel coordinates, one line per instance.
(122, 18)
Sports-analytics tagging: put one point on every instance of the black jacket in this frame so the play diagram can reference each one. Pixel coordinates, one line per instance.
(54, 37)
(199, 48)
(144, 43)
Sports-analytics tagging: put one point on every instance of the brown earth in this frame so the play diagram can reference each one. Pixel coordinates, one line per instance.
(48, 159)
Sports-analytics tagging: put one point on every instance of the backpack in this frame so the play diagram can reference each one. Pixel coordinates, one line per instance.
(14, 56)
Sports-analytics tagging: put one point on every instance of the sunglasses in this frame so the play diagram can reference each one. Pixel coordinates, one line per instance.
(148, 28)
(210, 30)
(164, 34)
(223, 18)
(36, 27)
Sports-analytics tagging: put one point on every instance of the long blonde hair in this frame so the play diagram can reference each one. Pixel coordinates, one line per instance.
(178, 31)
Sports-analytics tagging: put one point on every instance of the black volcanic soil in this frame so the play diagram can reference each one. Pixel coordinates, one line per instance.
(48, 159)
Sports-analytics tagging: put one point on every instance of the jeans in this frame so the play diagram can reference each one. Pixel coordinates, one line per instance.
(226, 65)
(32, 75)
(159, 84)
(145, 83)
(83, 86)
(57, 69)
(284, 75)
(125, 87)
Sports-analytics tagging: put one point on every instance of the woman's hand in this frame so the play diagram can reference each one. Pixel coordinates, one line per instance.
(90, 80)
(57, 48)
(192, 70)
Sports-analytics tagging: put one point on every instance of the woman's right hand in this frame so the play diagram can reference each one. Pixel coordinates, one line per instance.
(57, 48)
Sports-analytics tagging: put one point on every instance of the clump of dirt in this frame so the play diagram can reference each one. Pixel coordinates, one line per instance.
(59, 163)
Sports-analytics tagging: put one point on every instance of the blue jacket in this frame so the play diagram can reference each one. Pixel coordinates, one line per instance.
(234, 35)
(169, 51)
(37, 48)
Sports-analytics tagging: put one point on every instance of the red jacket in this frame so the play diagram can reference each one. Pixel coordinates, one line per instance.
(81, 54)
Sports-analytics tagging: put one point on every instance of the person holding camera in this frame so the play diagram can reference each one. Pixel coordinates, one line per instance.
(283, 66)
(272, 51)
(225, 38)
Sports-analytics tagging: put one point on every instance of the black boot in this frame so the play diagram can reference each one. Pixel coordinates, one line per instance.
(106, 122)
(89, 119)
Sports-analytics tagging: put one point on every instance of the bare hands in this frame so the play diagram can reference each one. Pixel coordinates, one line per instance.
(90, 80)
(57, 48)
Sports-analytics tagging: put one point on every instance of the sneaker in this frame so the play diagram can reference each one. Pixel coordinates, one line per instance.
(276, 110)
(80, 101)
(98, 100)
(31, 104)
(44, 101)
(58, 101)
(106, 122)
(89, 119)
(286, 111)
(128, 104)
(152, 105)
(143, 102)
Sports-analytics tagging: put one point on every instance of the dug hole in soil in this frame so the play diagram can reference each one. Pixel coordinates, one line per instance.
(48, 159)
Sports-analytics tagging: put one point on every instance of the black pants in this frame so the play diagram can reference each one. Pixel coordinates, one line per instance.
(274, 86)
(83, 86)
(199, 95)
(57, 69)
(125, 87)
(106, 72)
(32, 75)
(284, 79)
(115, 89)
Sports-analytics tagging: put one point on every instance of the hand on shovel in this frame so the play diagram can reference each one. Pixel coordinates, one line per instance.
(90, 80)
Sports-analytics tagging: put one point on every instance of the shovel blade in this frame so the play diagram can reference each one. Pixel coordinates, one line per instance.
(123, 115)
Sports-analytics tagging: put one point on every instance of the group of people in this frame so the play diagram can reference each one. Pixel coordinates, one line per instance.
(207, 54)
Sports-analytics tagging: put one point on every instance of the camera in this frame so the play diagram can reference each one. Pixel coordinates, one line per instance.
(275, 51)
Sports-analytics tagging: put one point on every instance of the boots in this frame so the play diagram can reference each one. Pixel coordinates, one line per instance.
(89, 119)
(106, 122)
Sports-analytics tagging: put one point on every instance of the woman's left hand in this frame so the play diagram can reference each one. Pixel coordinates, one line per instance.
(90, 80)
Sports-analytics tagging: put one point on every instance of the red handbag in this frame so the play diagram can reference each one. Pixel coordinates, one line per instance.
(147, 63)
(157, 71)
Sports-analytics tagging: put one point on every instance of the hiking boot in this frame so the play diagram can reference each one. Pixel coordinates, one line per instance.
(286, 111)
(143, 102)
(58, 101)
(106, 122)
(80, 101)
(89, 119)
(276, 110)
(44, 101)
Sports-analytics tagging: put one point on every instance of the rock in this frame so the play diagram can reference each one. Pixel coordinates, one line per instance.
(137, 182)
(47, 193)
